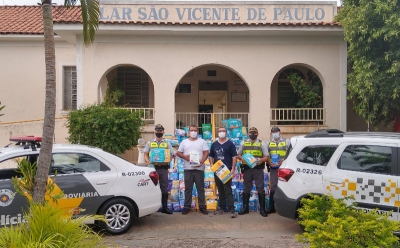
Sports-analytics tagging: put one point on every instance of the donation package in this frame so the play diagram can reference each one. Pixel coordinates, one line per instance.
(160, 155)
(194, 158)
(250, 160)
(222, 172)
(275, 159)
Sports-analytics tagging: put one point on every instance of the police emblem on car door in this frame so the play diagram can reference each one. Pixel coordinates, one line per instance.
(367, 172)
(84, 179)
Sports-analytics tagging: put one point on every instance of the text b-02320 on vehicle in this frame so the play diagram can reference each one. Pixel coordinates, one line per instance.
(362, 165)
(93, 182)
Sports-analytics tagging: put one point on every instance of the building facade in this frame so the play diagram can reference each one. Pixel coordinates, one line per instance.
(180, 63)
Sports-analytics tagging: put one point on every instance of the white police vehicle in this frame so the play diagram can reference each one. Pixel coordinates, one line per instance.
(362, 165)
(93, 182)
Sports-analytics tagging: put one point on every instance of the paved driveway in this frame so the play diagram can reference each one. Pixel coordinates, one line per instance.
(197, 230)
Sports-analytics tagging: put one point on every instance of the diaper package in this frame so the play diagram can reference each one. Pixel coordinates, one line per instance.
(222, 172)
(160, 155)
(275, 159)
(207, 131)
(194, 158)
(250, 160)
(212, 203)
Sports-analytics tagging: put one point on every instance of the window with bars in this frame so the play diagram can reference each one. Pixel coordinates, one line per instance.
(135, 83)
(70, 88)
(286, 96)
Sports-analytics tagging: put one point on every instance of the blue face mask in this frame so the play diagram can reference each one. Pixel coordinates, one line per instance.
(276, 135)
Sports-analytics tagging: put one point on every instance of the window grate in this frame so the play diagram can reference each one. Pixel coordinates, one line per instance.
(70, 88)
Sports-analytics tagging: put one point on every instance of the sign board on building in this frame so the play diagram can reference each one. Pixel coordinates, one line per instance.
(220, 13)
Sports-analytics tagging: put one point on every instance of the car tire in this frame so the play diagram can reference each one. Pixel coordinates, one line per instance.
(119, 214)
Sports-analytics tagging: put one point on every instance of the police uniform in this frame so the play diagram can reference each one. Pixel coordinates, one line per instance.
(161, 168)
(279, 147)
(259, 150)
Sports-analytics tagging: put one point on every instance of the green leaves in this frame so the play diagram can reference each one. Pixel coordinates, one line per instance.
(330, 222)
(371, 29)
(309, 96)
(113, 129)
(1, 108)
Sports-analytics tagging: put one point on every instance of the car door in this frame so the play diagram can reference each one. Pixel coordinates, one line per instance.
(12, 204)
(84, 177)
(367, 172)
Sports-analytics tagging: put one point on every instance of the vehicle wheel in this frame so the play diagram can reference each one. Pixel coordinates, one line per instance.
(119, 214)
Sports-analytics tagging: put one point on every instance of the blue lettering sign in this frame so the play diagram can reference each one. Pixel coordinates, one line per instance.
(308, 18)
(296, 14)
(251, 14)
(288, 14)
(235, 14)
(180, 15)
(115, 14)
(102, 17)
(319, 16)
(194, 14)
(153, 14)
(163, 13)
(142, 13)
(277, 11)
(126, 13)
(216, 15)
(261, 14)
(206, 14)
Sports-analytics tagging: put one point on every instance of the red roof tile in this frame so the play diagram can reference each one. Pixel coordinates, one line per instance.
(28, 20)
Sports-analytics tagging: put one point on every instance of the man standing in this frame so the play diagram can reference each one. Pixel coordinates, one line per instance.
(161, 168)
(224, 150)
(277, 149)
(195, 152)
(259, 150)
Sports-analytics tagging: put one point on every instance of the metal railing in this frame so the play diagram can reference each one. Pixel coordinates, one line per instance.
(147, 114)
(298, 115)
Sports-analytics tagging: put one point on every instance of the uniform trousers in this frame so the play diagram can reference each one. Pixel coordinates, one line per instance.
(253, 174)
(162, 172)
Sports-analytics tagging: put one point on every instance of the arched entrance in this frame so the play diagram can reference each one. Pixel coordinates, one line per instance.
(209, 94)
(297, 97)
(137, 88)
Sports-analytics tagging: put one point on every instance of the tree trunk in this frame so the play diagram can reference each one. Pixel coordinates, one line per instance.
(40, 184)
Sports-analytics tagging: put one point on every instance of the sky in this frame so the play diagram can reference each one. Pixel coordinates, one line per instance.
(60, 2)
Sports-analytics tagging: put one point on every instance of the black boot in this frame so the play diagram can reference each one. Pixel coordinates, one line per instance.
(164, 200)
(271, 208)
(245, 207)
(261, 199)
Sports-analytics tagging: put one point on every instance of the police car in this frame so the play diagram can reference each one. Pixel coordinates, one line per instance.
(93, 182)
(362, 165)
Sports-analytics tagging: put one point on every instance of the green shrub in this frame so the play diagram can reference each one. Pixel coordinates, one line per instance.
(101, 125)
(48, 226)
(330, 222)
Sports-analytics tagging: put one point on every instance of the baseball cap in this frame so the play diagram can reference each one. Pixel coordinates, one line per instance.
(253, 129)
(159, 127)
(275, 129)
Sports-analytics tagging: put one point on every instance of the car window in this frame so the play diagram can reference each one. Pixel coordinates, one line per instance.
(367, 158)
(8, 167)
(318, 155)
(67, 163)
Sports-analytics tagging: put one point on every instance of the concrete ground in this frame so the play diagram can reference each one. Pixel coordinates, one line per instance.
(198, 230)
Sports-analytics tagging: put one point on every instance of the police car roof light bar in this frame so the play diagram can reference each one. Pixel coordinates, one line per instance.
(30, 139)
(325, 133)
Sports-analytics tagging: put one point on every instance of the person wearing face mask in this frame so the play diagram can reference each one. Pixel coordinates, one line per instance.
(224, 150)
(194, 151)
(259, 150)
(161, 168)
(277, 149)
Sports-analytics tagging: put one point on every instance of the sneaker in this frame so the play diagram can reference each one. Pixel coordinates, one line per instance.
(203, 210)
(233, 214)
(221, 211)
(185, 211)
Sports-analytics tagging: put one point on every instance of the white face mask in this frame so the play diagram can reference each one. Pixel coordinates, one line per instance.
(193, 134)
(276, 135)
(222, 135)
